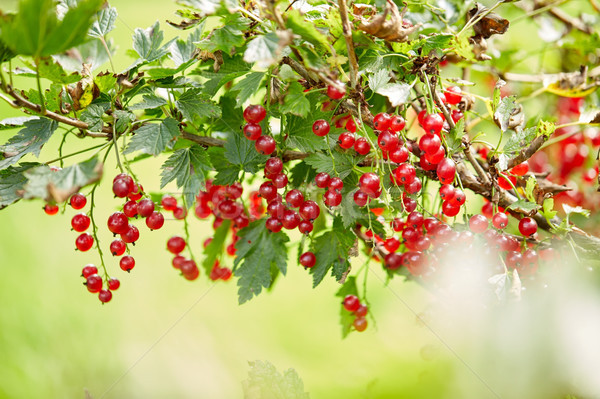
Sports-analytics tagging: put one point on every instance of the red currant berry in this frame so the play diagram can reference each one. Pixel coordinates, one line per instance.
(93, 283)
(273, 166)
(280, 180)
(430, 143)
(397, 123)
(308, 259)
(387, 141)
(136, 193)
(453, 95)
(336, 92)
(456, 115)
(169, 203)
(176, 245)
(274, 225)
(254, 113)
(446, 192)
(276, 209)
(121, 187)
(392, 244)
(446, 170)
(361, 198)
(130, 209)
(179, 213)
(118, 247)
(84, 242)
(382, 121)
(322, 180)
(414, 186)
(131, 235)
(514, 260)
(80, 222)
(78, 201)
(268, 191)
(51, 209)
(118, 223)
(332, 198)
(409, 204)
(528, 226)
(433, 123)
(252, 131)
(241, 221)
(88, 270)
(309, 210)
(520, 169)
(127, 263)
(290, 219)
(500, 220)
(399, 155)
(393, 261)
(459, 197)
(265, 145)
(436, 157)
(370, 184)
(113, 284)
(336, 184)
(362, 146)
(105, 296)
(145, 208)
(351, 303)
(294, 198)
(397, 224)
(478, 223)
(305, 227)
(346, 140)
(155, 221)
(504, 181)
(361, 311)
(405, 173)
(450, 209)
(320, 127)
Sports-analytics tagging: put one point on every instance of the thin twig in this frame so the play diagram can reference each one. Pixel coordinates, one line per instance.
(347, 31)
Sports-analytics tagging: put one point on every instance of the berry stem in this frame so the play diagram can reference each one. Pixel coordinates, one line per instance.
(101, 146)
(186, 229)
(114, 139)
(39, 87)
(95, 230)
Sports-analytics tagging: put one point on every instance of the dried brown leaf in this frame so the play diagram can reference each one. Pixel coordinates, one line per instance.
(393, 29)
(491, 24)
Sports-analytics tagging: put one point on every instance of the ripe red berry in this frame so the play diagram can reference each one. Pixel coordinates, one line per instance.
(505, 180)
(88, 270)
(179, 213)
(332, 198)
(268, 191)
(382, 121)
(118, 247)
(336, 184)
(387, 141)
(528, 226)
(370, 184)
(168, 202)
(290, 219)
(520, 169)
(459, 197)
(397, 123)
(136, 192)
(155, 221)
(393, 260)
(362, 146)
(274, 225)
(131, 235)
(130, 209)
(478, 223)
(127, 263)
(414, 186)
(392, 244)
(500, 220)
(305, 227)
(453, 95)
(361, 311)
(252, 131)
(122, 187)
(456, 115)
(450, 209)
(336, 92)
(360, 324)
(280, 180)
(446, 192)
(190, 270)
(309, 210)
(145, 207)
(273, 166)
(84, 242)
(51, 209)
(351, 303)
(320, 127)
(254, 113)
(113, 284)
(399, 155)
(437, 157)
(322, 180)
(346, 140)
(433, 123)
(118, 223)
(308, 259)
(446, 170)
(410, 204)
(93, 283)
(80, 222)
(430, 143)
(78, 201)
(105, 296)
(265, 145)
(276, 208)
(405, 173)
(176, 245)
(361, 198)
(294, 198)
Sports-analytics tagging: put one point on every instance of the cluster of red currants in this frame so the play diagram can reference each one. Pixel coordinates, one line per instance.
(188, 267)
(94, 283)
(352, 304)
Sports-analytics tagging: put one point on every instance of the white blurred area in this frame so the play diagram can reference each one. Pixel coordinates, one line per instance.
(536, 337)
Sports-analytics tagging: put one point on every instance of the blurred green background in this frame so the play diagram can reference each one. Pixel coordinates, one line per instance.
(162, 336)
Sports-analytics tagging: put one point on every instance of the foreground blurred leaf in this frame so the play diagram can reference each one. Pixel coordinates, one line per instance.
(265, 382)
(29, 140)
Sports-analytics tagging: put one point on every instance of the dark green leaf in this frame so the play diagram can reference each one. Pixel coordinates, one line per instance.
(148, 43)
(93, 117)
(124, 120)
(195, 104)
(331, 251)
(183, 51)
(454, 139)
(347, 318)
(248, 86)
(12, 181)
(341, 163)
(53, 71)
(29, 140)
(295, 101)
(300, 174)
(104, 23)
(187, 166)
(216, 247)
(226, 176)
(301, 136)
(149, 101)
(257, 251)
(153, 138)
(242, 153)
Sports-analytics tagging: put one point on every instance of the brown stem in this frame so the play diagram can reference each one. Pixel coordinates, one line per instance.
(347, 31)
(528, 151)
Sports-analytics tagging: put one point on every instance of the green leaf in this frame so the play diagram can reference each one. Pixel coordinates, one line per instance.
(104, 23)
(242, 153)
(331, 251)
(454, 138)
(545, 128)
(53, 71)
(36, 30)
(183, 51)
(248, 86)
(324, 163)
(379, 79)
(397, 93)
(216, 247)
(520, 139)
(436, 42)
(300, 174)
(226, 176)
(18, 121)
(149, 101)
(257, 251)
(306, 29)
(148, 43)
(264, 50)
(462, 47)
(153, 138)
(264, 381)
(206, 7)
(188, 167)
(29, 140)
(295, 101)
(12, 181)
(93, 117)
(227, 37)
(195, 104)
(301, 136)
(570, 210)
(548, 209)
(505, 110)
(347, 318)
(530, 186)
(524, 206)
(123, 120)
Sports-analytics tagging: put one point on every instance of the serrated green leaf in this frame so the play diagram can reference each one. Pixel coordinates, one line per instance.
(295, 101)
(227, 37)
(241, 152)
(341, 163)
(104, 23)
(12, 181)
(379, 79)
(226, 176)
(505, 111)
(29, 140)
(216, 247)
(154, 138)
(188, 167)
(148, 43)
(257, 251)
(436, 42)
(264, 381)
(248, 86)
(524, 205)
(54, 96)
(397, 93)
(300, 174)
(18, 121)
(520, 139)
(305, 29)
(264, 50)
(93, 117)
(548, 209)
(53, 71)
(149, 101)
(454, 138)
(347, 318)
(195, 104)
(331, 251)
(183, 51)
